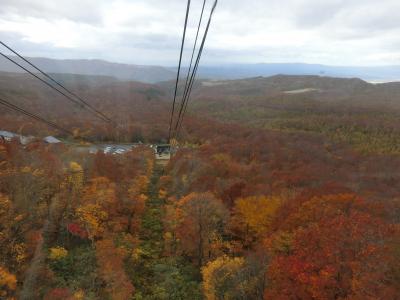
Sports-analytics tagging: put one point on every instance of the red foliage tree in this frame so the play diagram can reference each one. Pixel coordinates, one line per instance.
(337, 251)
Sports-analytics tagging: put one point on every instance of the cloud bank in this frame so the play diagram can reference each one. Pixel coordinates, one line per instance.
(335, 32)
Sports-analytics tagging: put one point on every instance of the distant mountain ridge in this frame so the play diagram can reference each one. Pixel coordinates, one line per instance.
(154, 74)
(148, 74)
(238, 71)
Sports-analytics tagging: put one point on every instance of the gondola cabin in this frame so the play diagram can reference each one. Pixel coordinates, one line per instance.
(163, 151)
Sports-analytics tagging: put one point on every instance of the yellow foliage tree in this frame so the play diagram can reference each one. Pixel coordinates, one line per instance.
(75, 167)
(75, 179)
(220, 278)
(253, 215)
(12, 250)
(78, 295)
(19, 252)
(57, 253)
(76, 175)
(92, 217)
(101, 209)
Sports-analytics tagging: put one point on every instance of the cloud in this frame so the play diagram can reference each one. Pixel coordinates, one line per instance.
(363, 32)
(85, 11)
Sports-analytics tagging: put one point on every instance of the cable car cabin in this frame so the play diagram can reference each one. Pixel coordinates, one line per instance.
(163, 151)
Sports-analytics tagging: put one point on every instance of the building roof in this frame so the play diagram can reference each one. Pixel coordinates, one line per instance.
(51, 140)
(25, 140)
(7, 134)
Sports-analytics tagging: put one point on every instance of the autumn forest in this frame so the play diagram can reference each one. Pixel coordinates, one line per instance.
(286, 187)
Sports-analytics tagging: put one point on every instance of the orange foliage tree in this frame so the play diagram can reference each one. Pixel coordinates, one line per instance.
(8, 284)
(111, 270)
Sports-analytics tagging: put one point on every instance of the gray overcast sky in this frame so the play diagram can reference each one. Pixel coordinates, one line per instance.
(335, 32)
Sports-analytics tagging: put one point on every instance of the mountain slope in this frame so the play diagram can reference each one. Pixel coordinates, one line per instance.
(153, 74)
(149, 74)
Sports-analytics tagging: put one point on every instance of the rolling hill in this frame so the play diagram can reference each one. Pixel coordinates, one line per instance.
(153, 74)
(149, 74)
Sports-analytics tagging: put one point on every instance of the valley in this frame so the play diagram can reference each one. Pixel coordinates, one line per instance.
(264, 185)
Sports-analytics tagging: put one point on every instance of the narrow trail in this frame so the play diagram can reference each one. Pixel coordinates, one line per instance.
(49, 234)
(151, 233)
(155, 274)
(151, 246)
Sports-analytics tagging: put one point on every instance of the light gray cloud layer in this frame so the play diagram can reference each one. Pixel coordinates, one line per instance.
(337, 32)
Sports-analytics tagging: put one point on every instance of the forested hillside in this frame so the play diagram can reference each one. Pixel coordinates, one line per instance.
(154, 74)
(96, 67)
(135, 105)
(284, 187)
(346, 110)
